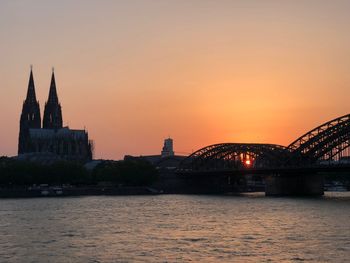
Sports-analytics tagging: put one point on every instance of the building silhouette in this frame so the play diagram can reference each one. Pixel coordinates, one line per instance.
(52, 137)
(168, 148)
(167, 158)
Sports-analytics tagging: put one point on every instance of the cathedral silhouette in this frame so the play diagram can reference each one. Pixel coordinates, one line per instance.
(52, 139)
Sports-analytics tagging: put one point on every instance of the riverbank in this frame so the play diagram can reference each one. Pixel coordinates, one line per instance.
(22, 192)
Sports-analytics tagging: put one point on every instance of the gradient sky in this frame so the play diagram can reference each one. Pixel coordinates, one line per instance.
(203, 72)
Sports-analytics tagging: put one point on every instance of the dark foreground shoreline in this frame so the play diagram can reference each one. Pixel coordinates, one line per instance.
(75, 191)
(23, 192)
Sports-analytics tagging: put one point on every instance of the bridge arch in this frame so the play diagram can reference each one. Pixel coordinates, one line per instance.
(329, 141)
(237, 155)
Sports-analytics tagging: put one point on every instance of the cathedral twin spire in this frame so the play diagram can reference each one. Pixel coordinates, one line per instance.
(30, 117)
(53, 111)
(47, 138)
(31, 97)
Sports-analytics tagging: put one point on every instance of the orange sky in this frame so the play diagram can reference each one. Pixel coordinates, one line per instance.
(203, 72)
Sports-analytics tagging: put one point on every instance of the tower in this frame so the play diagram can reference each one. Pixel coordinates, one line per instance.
(61, 143)
(168, 148)
(30, 117)
(52, 113)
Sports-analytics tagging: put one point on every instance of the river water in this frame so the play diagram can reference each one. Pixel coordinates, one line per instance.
(176, 228)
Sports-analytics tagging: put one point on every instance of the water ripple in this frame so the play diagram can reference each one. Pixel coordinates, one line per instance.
(175, 228)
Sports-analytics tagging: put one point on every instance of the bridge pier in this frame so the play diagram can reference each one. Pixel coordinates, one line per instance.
(294, 185)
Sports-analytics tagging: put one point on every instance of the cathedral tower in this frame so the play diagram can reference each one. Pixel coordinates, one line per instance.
(30, 117)
(52, 113)
(52, 142)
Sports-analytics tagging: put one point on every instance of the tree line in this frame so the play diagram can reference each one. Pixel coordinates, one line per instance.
(128, 173)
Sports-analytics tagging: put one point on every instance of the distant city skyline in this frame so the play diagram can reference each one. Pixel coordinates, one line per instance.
(203, 72)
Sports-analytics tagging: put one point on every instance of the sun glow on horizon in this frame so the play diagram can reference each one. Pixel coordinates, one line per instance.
(205, 72)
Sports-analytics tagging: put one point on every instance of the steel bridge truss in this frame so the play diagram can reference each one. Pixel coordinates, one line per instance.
(327, 142)
(238, 156)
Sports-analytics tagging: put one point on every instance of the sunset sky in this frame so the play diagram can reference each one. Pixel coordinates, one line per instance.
(135, 72)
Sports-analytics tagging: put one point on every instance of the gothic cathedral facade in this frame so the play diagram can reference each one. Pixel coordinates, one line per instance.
(51, 137)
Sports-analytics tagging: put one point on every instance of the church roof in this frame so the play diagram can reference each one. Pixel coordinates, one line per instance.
(64, 132)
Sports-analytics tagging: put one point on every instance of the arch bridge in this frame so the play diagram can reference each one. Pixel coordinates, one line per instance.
(240, 156)
(324, 148)
(328, 143)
